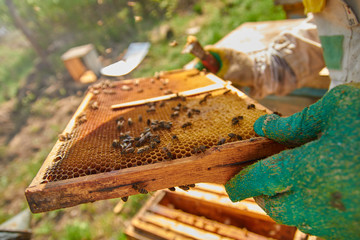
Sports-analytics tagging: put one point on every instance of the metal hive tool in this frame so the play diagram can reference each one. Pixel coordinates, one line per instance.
(101, 155)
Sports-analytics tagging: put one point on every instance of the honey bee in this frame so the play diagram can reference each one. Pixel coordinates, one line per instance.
(177, 108)
(95, 105)
(116, 143)
(277, 113)
(187, 124)
(192, 185)
(139, 188)
(58, 158)
(130, 150)
(140, 118)
(221, 141)
(174, 137)
(168, 125)
(143, 149)
(236, 120)
(121, 118)
(62, 137)
(172, 189)
(81, 118)
(148, 122)
(203, 100)
(151, 109)
(184, 187)
(119, 125)
(232, 135)
(95, 92)
(153, 145)
(197, 111)
(130, 122)
(126, 88)
(162, 103)
(157, 75)
(174, 114)
(124, 199)
(251, 106)
(239, 137)
(201, 148)
(156, 139)
(189, 114)
(68, 136)
(168, 153)
(165, 82)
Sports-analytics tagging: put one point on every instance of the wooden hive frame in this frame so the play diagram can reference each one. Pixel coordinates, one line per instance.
(168, 214)
(217, 165)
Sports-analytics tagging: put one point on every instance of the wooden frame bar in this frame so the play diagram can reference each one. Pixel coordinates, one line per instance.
(216, 165)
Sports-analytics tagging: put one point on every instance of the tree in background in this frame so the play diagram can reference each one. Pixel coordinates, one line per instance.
(20, 24)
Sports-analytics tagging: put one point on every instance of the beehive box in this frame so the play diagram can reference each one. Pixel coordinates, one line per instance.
(204, 212)
(105, 153)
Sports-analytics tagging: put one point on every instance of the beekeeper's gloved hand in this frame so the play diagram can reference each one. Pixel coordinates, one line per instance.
(316, 186)
(235, 66)
(265, 72)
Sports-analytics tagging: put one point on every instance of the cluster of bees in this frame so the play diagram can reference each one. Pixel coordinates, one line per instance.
(106, 86)
(144, 142)
(148, 140)
(140, 188)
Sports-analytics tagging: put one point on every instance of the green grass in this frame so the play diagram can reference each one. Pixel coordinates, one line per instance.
(78, 230)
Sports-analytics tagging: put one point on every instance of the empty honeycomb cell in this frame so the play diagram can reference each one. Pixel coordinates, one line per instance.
(90, 149)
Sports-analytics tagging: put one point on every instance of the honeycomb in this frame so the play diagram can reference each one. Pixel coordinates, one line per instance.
(104, 140)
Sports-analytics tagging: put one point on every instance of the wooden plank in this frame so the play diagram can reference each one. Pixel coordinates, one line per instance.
(201, 195)
(204, 223)
(216, 165)
(168, 97)
(153, 231)
(178, 227)
(225, 213)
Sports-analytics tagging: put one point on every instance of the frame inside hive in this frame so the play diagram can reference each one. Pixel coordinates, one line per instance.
(85, 167)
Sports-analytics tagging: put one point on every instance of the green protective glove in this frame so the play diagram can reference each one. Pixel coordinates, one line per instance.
(316, 186)
(235, 66)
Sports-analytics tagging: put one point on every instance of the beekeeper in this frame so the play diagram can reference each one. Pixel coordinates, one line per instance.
(315, 185)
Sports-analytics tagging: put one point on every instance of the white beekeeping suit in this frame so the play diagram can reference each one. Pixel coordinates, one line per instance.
(339, 32)
(295, 57)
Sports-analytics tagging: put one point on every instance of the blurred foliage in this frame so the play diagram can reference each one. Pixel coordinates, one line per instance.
(61, 24)
(98, 21)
